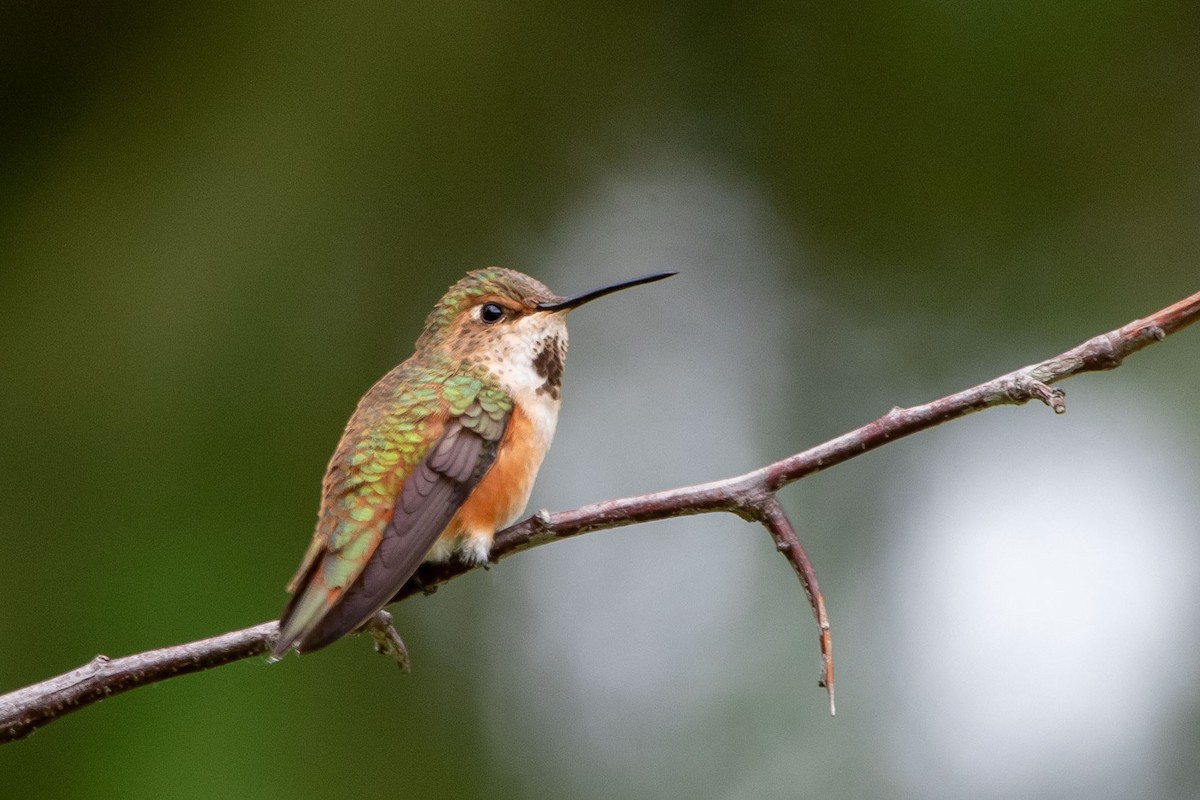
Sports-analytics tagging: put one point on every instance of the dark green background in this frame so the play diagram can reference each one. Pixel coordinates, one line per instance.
(218, 226)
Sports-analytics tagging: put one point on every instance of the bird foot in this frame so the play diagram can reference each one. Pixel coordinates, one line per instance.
(387, 639)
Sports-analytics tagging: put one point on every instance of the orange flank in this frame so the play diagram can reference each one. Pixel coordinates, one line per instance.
(501, 494)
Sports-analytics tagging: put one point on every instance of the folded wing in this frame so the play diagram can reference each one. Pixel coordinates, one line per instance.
(376, 547)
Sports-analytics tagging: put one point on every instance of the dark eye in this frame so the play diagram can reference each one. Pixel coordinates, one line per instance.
(490, 313)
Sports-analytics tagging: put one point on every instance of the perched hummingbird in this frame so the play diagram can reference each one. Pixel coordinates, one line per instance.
(440, 454)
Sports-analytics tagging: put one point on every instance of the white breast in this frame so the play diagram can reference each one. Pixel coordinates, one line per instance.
(517, 373)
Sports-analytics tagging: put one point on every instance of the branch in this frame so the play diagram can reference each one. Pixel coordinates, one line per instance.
(750, 496)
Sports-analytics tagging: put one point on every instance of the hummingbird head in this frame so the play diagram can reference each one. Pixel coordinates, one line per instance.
(511, 324)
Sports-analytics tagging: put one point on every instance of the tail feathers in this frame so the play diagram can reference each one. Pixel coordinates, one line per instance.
(308, 607)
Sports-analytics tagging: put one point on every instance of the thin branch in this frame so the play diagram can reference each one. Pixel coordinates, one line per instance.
(786, 541)
(26, 710)
(750, 496)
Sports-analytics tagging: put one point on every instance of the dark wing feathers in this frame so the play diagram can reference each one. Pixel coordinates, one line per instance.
(459, 457)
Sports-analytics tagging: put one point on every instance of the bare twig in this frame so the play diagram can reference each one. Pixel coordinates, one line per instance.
(26, 710)
(750, 496)
(777, 522)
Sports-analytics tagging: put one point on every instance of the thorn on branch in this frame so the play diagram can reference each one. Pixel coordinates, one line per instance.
(1052, 396)
(1023, 387)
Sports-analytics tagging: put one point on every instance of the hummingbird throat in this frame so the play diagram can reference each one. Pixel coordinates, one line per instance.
(548, 363)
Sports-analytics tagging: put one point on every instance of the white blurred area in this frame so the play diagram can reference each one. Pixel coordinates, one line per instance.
(1037, 609)
(621, 640)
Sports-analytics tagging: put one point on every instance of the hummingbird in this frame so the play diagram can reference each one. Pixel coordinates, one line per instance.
(440, 453)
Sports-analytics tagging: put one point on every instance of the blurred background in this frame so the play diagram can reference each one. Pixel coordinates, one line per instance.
(218, 227)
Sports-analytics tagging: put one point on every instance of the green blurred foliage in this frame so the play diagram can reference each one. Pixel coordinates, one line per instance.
(218, 225)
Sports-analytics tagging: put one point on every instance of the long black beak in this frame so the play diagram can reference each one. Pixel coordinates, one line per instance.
(576, 300)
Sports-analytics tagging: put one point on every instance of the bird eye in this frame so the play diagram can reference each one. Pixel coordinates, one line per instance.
(491, 313)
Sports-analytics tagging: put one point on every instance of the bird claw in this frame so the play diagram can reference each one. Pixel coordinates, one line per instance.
(387, 639)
